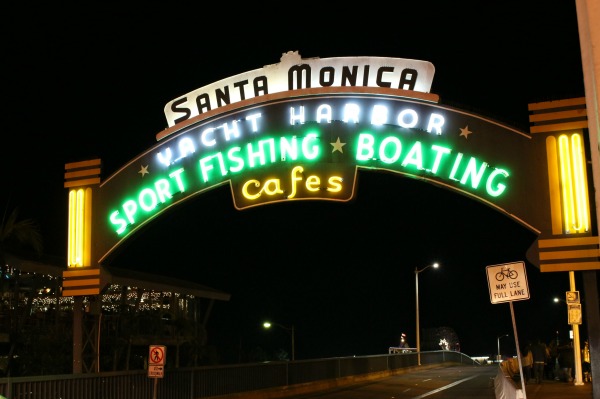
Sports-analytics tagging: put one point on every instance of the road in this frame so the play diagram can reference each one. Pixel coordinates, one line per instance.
(473, 382)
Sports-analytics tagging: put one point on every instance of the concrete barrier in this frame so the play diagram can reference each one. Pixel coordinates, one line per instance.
(504, 385)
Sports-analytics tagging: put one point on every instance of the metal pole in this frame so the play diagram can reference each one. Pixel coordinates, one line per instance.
(77, 334)
(499, 355)
(417, 302)
(293, 343)
(417, 271)
(512, 315)
(576, 344)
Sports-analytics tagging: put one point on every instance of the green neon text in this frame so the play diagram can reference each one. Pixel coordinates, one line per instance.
(435, 159)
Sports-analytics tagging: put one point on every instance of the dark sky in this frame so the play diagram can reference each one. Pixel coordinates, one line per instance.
(81, 83)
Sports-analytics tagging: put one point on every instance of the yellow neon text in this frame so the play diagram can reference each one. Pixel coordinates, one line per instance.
(272, 187)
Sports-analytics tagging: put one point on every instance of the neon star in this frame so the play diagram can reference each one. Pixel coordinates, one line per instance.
(143, 170)
(337, 146)
(465, 132)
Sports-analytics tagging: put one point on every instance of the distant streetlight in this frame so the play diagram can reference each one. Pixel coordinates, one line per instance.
(291, 330)
(499, 355)
(558, 300)
(417, 271)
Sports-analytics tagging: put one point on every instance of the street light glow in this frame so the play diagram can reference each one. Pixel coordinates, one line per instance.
(417, 271)
(291, 330)
(499, 355)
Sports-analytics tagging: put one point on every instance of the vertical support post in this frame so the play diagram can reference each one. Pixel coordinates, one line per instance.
(576, 344)
(77, 334)
(417, 309)
(592, 304)
(588, 15)
(293, 343)
(417, 271)
(79, 177)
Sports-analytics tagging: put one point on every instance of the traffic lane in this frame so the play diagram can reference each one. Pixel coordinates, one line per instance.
(474, 382)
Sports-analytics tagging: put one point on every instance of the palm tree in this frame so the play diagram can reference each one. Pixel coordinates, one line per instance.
(16, 236)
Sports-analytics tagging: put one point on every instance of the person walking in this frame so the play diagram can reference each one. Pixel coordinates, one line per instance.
(587, 366)
(527, 362)
(540, 354)
(566, 360)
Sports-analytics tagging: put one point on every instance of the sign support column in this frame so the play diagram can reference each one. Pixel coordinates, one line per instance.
(575, 324)
(507, 282)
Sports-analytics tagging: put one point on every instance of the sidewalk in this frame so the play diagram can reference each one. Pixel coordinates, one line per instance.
(551, 389)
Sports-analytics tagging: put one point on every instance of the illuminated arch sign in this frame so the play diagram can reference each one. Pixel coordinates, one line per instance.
(309, 142)
(309, 147)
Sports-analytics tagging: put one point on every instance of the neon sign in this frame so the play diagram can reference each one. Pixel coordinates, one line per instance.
(303, 129)
(311, 149)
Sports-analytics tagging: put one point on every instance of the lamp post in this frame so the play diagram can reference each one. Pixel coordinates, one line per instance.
(499, 355)
(292, 332)
(417, 271)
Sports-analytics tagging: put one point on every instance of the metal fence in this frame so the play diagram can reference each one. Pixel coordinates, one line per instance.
(205, 382)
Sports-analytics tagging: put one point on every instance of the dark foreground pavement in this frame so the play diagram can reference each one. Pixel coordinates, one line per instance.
(550, 389)
(438, 382)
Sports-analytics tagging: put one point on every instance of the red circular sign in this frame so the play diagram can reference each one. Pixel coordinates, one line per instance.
(157, 355)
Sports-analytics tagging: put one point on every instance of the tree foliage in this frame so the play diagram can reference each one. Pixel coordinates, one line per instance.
(19, 235)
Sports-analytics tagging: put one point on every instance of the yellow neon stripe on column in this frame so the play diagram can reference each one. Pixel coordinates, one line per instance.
(566, 182)
(87, 233)
(80, 235)
(579, 177)
(574, 191)
(71, 230)
(554, 185)
(79, 229)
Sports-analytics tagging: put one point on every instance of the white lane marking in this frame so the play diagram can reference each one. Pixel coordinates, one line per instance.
(445, 387)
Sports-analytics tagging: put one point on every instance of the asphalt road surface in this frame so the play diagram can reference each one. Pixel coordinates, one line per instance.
(473, 382)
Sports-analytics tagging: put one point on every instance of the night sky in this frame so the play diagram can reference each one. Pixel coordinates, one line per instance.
(82, 83)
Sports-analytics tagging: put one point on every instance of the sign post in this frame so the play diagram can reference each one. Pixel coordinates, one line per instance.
(156, 364)
(507, 282)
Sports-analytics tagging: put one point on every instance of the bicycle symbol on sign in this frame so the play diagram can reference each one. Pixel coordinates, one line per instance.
(506, 272)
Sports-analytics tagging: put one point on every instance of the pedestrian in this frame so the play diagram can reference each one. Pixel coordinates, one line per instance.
(587, 367)
(527, 363)
(552, 368)
(566, 360)
(540, 354)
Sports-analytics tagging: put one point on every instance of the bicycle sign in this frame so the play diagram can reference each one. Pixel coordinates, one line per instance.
(506, 272)
(507, 282)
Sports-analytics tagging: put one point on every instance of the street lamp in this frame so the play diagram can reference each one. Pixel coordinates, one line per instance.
(499, 355)
(557, 300)
(291, 330)
(417, 271)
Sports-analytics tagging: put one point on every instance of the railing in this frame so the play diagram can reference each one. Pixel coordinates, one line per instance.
(205, 382)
